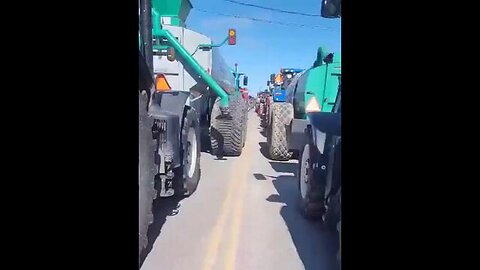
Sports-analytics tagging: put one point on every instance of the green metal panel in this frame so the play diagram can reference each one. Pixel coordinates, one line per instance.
(315, 84)
(156, 26)
(176, 10)
(332, 81)
(321, 81)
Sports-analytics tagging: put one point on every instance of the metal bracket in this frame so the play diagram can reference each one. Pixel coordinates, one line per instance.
(210, 46)
(166, 183)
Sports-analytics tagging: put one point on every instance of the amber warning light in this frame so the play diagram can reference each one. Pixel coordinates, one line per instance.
(232, 37)
(161, 83)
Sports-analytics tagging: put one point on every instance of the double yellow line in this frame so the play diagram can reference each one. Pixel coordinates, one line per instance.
(232, 206)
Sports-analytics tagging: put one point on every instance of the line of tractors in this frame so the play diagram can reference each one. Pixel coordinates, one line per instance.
(191, 101)
(301, 114)
(289, 110)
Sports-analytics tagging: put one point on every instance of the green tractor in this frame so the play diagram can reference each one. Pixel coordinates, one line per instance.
(312, 90)
(319, 163)
(186, 92)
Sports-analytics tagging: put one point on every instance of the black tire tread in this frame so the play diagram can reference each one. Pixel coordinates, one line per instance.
(186, 186)
(278, 145)
(332, 215)
(146, 173)
(226, 135)
(312, 207)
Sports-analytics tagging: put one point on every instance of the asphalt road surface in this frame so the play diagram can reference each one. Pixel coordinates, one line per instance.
(243, 216)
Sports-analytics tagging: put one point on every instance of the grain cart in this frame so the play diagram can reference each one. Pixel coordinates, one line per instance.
(187, 92)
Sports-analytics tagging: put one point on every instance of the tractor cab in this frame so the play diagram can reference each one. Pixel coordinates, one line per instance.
(288, 74)
(242, 90)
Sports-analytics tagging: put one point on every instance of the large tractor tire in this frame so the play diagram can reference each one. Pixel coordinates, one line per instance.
(226, 133)
(267, 112)
(146, 172)
(331, 218)
(188, 175)
(311, 198)
(263, 117)
(277, 140)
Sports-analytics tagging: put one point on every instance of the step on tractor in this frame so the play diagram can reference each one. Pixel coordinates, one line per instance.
(186, 92)
(319, 165)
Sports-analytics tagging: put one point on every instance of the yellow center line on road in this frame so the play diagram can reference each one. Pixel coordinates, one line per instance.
(216, 235)
(236, 187)
(237, 213)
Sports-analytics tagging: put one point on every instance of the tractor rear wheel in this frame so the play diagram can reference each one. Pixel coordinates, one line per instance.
(332, 216)
(311, 200)
(146, 172)
(188, 175)
(226, 133)
(281, 116)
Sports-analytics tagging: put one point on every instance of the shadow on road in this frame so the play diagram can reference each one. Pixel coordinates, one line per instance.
(263, 131)
(284, 167)
(259, 176)
(264, 149)
(315, 246)
(162, 207)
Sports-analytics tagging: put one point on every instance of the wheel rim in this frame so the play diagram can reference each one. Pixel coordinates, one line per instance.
(304, 171)
(191, 151)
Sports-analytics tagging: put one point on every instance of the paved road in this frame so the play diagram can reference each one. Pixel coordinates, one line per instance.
(242, 216)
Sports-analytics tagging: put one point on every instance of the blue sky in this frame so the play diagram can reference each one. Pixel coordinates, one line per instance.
(264, 48)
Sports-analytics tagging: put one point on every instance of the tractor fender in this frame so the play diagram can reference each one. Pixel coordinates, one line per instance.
(172, 102)
(169, 107)
(327, 122)
(297, 138)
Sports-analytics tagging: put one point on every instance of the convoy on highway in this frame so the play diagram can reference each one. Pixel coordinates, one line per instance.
(191, 100)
